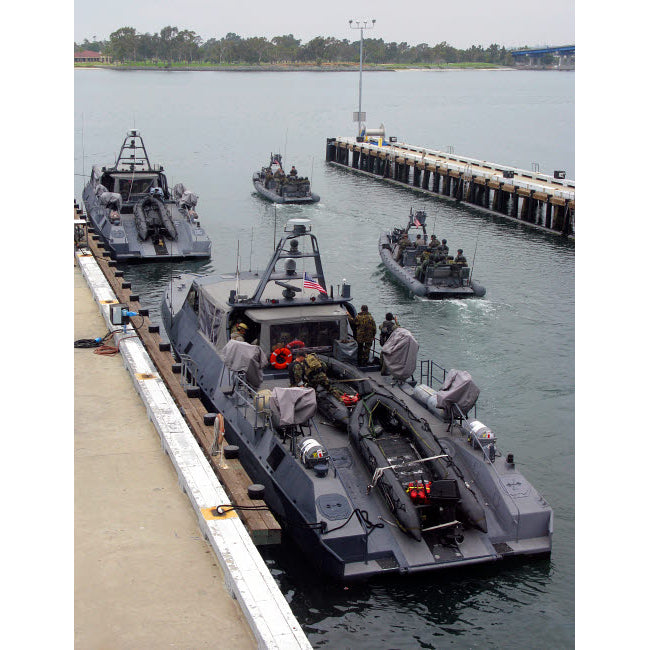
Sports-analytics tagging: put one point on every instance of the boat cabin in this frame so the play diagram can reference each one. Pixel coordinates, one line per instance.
(271, 326)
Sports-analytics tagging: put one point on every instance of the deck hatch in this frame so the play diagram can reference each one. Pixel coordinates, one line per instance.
(334, 506)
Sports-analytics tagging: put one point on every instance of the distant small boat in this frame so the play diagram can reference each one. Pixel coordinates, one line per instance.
(425, 271)
(272, 183)
(138, 217)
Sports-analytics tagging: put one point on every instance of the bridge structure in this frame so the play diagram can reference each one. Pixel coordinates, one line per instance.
(565, 55)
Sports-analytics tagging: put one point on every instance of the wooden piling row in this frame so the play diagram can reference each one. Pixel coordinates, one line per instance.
(537, 201)
(261, 525)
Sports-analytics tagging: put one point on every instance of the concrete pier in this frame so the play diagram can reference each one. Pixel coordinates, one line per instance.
(148, 572)
(538, 200)
(144, 575)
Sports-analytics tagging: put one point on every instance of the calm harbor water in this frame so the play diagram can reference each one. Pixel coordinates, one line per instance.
(211, 130)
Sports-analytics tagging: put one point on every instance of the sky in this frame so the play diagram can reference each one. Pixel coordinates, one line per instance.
(510, 23)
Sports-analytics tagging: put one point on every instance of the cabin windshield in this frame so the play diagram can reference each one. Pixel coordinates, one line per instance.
(127, 187)
(312, 334)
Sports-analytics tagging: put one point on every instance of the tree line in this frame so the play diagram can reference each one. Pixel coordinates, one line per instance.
(173, 45)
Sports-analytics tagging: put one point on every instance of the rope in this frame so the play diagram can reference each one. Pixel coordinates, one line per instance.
(380, 470)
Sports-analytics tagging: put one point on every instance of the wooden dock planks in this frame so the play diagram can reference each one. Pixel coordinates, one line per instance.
(261, 525)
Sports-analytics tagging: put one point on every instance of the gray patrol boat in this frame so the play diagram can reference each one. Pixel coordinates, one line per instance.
(273, 184)
(392, 476)
(137, 216)
(439, 278)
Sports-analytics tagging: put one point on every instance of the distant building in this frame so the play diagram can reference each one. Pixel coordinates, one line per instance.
(87, 56)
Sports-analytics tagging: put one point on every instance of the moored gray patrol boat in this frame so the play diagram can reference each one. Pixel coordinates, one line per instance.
(137, 215)
(437, 278)
(398, 477)
(273, 184)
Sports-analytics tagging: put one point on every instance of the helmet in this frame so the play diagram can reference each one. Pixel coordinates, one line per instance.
(242, 326)
(444, 241)
(460, 251)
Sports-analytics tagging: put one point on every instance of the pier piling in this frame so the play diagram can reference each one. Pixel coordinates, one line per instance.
(539, 200)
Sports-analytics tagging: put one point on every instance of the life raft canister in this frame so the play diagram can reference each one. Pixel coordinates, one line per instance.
(281, 358)
(295, 344)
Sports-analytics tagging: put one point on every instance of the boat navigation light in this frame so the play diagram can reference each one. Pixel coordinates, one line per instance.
(290, 266)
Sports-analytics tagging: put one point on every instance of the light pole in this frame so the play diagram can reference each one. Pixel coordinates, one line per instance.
(361, 24)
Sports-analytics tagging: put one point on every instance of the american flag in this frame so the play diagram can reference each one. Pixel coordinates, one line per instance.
(309, 283)
(416, 221)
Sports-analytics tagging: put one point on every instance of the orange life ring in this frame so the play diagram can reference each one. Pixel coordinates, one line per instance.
(296, 344)
(285, 358)
(220, 428)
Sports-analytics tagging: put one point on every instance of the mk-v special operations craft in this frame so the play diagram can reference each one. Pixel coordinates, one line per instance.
(137, 216)
(390, 477)
(273, 184)
(439, 277)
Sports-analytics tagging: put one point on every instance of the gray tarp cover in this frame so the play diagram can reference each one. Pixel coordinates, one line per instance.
(458, 388)
(345, 350)
(177, 191)
(240, 356)
(107, 198)
(293, 405)
(401, 353)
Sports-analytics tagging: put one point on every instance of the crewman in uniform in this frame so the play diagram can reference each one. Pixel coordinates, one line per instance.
(297, 370)
(421, 270)
(387, 328)
(365, 328)
(315, 373)
(238, 331)
(444, 249)
(293, 173)
(460, 258)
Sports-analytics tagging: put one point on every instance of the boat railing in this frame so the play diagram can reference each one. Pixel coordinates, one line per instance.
(250, 400)
(189, 370)
(488, 451)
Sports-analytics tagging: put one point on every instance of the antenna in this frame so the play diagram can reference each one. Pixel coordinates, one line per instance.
(475, 249)
(286, 135)
(275, 221)
(83, 152)
(237, 271)
(250, 259)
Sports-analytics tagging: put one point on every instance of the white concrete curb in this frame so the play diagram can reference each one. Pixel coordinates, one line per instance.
(247, 576)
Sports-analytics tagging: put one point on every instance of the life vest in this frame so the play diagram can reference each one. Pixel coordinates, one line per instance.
(281, 358)
(313, 365)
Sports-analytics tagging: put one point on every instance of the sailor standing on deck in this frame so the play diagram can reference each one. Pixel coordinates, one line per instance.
(293, 173)
(238, 331)
(365, 328)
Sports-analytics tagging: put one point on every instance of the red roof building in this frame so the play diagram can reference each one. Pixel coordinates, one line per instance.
(87, 56)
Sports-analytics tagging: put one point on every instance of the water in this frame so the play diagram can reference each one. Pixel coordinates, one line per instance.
(211, 130)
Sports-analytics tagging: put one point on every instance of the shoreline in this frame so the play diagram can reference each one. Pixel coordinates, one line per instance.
(294, 68)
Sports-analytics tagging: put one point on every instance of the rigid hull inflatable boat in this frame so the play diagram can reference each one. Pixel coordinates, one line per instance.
(135, 213)
(424, 270)
(273, 184)
(402, 492)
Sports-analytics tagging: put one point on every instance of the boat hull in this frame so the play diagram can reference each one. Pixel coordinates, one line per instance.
(448, 289)
(276, 198)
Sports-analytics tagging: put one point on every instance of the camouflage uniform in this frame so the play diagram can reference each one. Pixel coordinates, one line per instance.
(460, 259)
(366, 329)
(315, 372)
(297, 373)
(421, 270)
